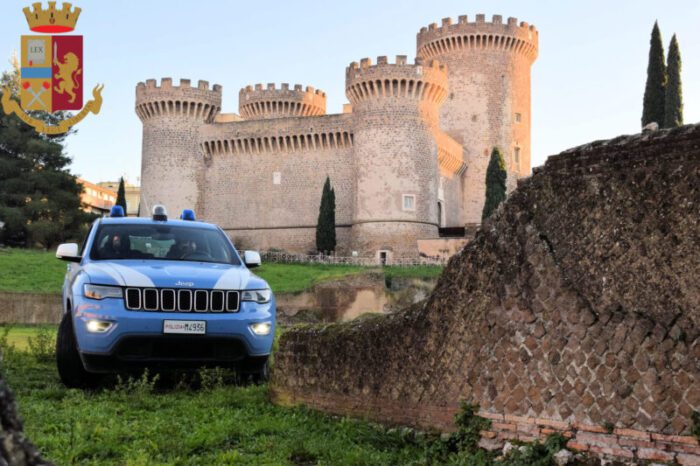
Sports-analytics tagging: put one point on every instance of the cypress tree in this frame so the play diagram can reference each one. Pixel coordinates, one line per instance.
(673, 114)
(496, 176)
(655, 91)
(121, 196)
(325, 227)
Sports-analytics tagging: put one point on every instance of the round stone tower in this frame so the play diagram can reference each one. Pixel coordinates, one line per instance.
(261, 104)
(171, 162)
(396, 111)
(489, 101)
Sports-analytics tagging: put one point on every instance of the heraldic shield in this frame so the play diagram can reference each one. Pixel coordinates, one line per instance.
(52, 73)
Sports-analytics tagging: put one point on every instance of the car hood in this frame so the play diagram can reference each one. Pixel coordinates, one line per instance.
(172, 274)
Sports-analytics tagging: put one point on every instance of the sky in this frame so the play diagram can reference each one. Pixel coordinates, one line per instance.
(587, 83)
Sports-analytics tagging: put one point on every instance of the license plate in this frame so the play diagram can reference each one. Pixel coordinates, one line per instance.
(187, 327)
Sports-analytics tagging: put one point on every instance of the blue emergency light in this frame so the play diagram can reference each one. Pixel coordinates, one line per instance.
(117, 211)
(188, 214)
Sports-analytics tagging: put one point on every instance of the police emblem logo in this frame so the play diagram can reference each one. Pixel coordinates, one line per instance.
(52, 70)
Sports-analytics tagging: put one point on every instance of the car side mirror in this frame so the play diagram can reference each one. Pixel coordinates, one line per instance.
(252, 259)
(68, 252)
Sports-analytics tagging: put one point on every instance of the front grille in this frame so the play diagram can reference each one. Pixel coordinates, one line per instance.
(171, 300)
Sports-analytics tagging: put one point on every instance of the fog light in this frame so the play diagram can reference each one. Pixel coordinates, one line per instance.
(261, 328)
(98, 326)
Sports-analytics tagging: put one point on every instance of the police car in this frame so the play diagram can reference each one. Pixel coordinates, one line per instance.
(161, 293)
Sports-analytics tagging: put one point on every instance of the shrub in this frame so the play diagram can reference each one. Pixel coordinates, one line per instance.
(41, 346)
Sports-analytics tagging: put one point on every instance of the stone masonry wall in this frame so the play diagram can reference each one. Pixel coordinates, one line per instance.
(223, 165)
(489, 78)
(269, 196)
(395, 106)
(575, 307)
(172, 116)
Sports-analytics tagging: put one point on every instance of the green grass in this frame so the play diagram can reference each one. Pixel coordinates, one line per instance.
(293, 278)
(209, 421)
(19, 335)
(30, 271)
(417, 271)
(225, 424)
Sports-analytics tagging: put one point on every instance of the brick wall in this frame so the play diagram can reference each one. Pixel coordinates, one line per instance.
(577, 303)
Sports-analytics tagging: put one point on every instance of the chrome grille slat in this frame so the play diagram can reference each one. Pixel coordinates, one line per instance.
(150, 295)
(216, 301)
(180, 293)
(133, 294)
(233, 301)
(168, 294)
(181, 300)
(197, 307)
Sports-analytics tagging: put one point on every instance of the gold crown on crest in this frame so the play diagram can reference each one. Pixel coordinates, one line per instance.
(51, 19)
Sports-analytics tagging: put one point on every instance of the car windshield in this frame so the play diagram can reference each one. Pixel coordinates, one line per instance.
(162, 242)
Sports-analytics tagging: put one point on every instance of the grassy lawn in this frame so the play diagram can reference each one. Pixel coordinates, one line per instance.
(293, 278)
(185, 424)
(417, 271)
(207, 419)
(32, 271)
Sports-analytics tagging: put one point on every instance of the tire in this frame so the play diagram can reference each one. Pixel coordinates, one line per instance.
(261, 375)
(70, 367)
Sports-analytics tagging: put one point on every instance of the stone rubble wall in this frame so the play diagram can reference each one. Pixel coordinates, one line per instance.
(577, 303)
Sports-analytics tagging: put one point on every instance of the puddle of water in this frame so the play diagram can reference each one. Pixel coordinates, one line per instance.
(341, 301)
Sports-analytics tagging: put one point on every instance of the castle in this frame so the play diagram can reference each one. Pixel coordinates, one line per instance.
(407, 157)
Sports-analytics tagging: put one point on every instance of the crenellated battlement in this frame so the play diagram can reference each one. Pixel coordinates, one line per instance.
(421, 80)
(510, 36)
(165, 99)
(167, 84)
(267, 102)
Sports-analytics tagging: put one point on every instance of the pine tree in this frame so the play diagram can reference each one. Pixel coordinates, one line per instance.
(121, 195)
(655, 91)
(673, 114)
(325, 227)
(39, 197)
(496, 176)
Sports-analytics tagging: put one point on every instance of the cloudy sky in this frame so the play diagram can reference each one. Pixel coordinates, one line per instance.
(587, 83)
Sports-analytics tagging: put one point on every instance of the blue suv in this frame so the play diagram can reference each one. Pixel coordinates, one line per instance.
(164, 294)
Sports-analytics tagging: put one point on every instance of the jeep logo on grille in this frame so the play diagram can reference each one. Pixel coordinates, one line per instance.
(181, 283)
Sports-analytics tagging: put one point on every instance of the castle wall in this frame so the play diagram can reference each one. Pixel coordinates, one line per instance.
(172, 117)
(395, 153)
(264, 179)
(489, 79)
(424, 130)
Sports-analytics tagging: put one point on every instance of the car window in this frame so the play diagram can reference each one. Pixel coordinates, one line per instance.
(84, 242)
(162, 242)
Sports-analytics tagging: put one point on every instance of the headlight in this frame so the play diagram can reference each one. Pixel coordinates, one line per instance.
(258, 296)
(101, 291)
(261, 328)
(98, 326)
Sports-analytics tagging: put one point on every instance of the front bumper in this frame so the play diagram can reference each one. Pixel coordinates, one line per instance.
(136, 338)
